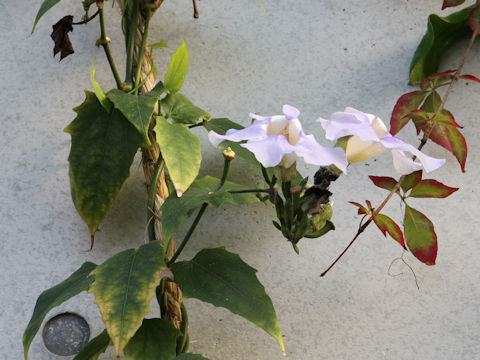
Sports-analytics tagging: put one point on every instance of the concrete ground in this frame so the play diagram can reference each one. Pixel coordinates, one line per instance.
(318, 55)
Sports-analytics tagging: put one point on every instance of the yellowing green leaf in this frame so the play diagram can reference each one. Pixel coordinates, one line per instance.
(181, 110)
(103, 147)
(53, 297)
(99, 93)
(123, 288)
(177, 69)
(221, 278)
(181, 151)
(155, 340)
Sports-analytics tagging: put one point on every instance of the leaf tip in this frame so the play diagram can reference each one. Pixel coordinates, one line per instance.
(179, 189)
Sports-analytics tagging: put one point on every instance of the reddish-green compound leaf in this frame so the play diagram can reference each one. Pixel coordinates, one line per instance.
(155, 340)
(124, 287)
(441, 33)
(387, 225)
(431, 189)
(432, 102)
(103, 147)
(420, 236)
(469, 77)
(451, 3)
(411, 180)
(404, 106)
(221, 278)
(53, 297)
(384, 182)
(474, 19)
(361, 209)
(369, 204)
(447, 135)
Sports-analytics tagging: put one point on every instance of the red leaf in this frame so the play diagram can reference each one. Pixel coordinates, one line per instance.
(387, 225)
(474, 19)
(404, 106)
(448, 136)
(369, 204)
(451, 3)
(431, 189)
(469, 77)
(383, 182)
(432, 102)
(361, 208)
(420, 236)
(411, 180)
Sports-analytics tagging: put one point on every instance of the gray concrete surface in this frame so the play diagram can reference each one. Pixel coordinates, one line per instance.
(318, 55)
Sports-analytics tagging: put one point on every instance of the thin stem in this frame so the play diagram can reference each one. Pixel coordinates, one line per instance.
(265, 176)
(87, 20)
(195, 9)
(250, 191)
(422, 144)
(106, 47)
(195, 125)
(449, 90)
(143, 46)
(151, 198)
(131, 43)
(226, 169)
(142, 83)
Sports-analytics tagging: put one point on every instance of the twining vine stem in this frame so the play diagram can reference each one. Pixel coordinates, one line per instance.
(104, 42)
(151, 198)
(226, 170)
(424, 140)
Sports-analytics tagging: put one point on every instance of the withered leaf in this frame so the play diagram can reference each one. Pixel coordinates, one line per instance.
(60, 37)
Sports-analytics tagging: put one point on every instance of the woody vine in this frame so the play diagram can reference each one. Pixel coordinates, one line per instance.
(153, 116)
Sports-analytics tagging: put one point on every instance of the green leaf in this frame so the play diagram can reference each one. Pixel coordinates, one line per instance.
(191, 357)
(100, 94)
(95, 347)
(53, 297)
(221, 278)
(103, 147)
(155, 340)
(158, 45)
(138, 109)
(411, 180)
(431, 189)
(420, 236)
(175, 210)
(387, 225)
(181, 151)
(177, 69)
(123, 288)
(441, 33)
(181, 110)
(46, 5)
(220, 126)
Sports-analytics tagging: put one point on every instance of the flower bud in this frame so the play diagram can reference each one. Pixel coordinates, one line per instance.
(229, 154)
(286, 174)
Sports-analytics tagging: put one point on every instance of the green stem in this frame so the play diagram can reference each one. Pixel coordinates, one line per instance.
(265, 176)
(181, 347)
(143, 46)
(250, 191)
(151, 198)
(226, 169)
(141, 84)
(106, 47)
(131, 44)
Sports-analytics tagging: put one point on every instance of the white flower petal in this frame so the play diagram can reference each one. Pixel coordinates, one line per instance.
(294, 129)
(253, 132)
(290, 112)
(404, 164)
(270, 150)
(348, 123)
(429, 163)
(316, 154)
(278, 125)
